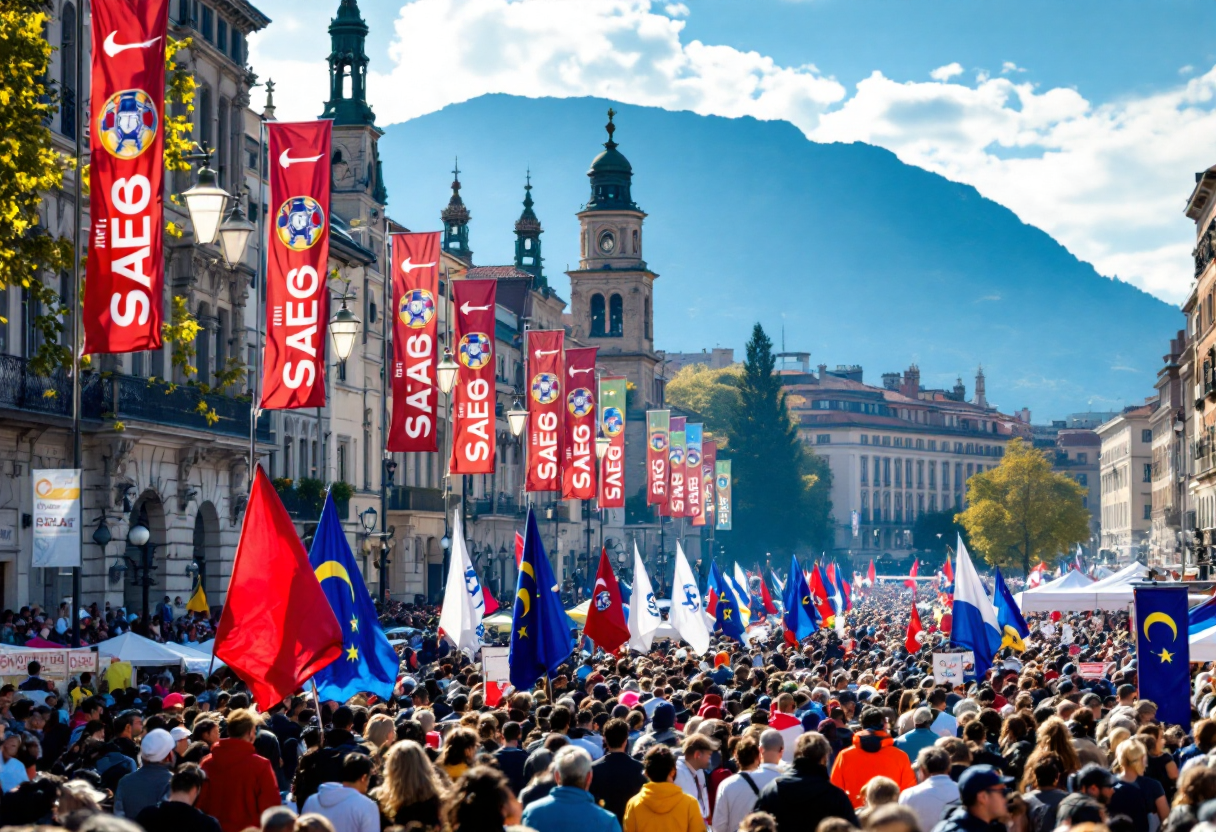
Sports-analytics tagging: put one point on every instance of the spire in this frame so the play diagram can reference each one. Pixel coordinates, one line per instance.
(456, 221)
(348, 68)
(980, 398)
(527, 239)
(611, 176)
(268, 110)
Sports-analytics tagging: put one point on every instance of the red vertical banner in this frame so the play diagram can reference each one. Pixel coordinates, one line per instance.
(658, 431)
(415, 324)
(473, 434)
(124, 297)
(693, 436)
(578, 471)
(709, 456)
(612, 423)
(676, 495)
(297, 262)
(545, 368)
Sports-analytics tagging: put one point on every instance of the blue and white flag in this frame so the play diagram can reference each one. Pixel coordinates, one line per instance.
(644, 615)
(464, 603)
(1202, 617)
(1009, 616)
(975, 626)
(687, 613)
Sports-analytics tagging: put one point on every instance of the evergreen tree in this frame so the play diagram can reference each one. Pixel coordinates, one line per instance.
(781, 490)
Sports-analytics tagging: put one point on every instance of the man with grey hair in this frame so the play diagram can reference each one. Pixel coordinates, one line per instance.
(569, 807)
(278, 819)
(758, 766)
(929, 798)
(921, 736)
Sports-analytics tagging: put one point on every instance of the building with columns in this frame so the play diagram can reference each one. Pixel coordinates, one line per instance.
(1126, 468)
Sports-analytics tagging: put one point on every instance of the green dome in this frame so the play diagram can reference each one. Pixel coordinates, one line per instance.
(611, 161)
(611, 177)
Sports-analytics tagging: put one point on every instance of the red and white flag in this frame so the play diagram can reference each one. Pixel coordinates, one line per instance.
(578, 470)
(912, 642)
(473, 435)
(415, 343)
(1036, 576)
(297, 259)
(124, 290)
(909, 582)
(545, 368)
(605, 623)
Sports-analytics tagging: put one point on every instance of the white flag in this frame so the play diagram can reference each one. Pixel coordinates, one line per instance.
(644, 615)
(687, 611)
(463, 601)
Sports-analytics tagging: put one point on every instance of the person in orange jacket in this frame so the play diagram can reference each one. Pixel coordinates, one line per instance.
(240, 783)
(874, 754)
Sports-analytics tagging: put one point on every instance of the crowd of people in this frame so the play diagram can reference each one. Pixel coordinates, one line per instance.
(170, 621)
(844, 731)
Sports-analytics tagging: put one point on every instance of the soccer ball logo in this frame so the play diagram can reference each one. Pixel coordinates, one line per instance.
(694, 456)
(579, 402)
(614, 422)
(545, 388)
(652, 605)
(603, 600)
(417, 308)
(475, 350)
(692, 598)
(300, 223)
(723, 482)
(128, 123)
(677, 455)
(658, 442)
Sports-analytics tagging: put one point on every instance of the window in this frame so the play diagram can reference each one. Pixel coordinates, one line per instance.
(616, 315)
(646, 317)
(1146, 435)
(1148, 472)
(908, 472)
(865, 506)
(343, 457)
(898, 473)
(865, 440)
(1148, 512)
(208, 18)
(1083, 479)
(238, 47)
(920, 473)
(932, 474)
(865, 469)
(205, 136)
(886, 471)
(67, 91)
(877, 471)
(185, 14)
(1083, 458)
(597, 315)
(221, 35)
(823, 439)
(886, 440)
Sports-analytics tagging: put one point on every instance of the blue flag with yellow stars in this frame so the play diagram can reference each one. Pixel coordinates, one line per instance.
(368, 663)
(1163, 652)
(726, 612)
(540, 629)
(801, 618)
(1008, 616)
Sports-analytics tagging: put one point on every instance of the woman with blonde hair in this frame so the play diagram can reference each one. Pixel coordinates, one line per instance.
(1161, 765)
(1147, 801)
(1053, 735)
(1196, 786)
(880, 791)
(380, 733)
(411, 791)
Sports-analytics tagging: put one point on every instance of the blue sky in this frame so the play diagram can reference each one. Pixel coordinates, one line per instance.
(1086, 119)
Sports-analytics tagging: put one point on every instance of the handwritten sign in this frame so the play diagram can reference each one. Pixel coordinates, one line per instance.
(1092, 670)
(56, 664)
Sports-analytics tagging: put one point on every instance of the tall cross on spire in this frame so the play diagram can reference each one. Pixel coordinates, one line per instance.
(456, 169)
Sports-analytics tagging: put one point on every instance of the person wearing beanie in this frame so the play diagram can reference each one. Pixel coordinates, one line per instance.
(149, 784)
(662, 731)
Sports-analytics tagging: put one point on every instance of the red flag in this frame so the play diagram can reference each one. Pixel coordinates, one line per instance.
(415, 330)
(911, 584)
(124, 290)
(605, 616)
(831, 573)
(578, 469)
(297, 280)
(519, 548)
(871, 576)
(544, 361)
(819, 595)
(277, 628)
(914, 629)
(491, 601)
(948, 570)
(473, 434)
(769, 606)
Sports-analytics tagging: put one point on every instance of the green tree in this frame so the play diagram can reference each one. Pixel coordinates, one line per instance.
(934, 531)
(1022, 512)
(781, 490)
(712, 393)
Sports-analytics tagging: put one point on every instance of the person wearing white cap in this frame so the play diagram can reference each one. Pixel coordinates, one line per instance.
(148, 785)
(181, 740)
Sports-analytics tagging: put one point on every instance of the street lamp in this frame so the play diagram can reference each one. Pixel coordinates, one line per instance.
(517, 416)
(235, 233)
(206, 200)
(101, 535)
(139, 537)
(368, 519)
(445, 373)
(343, 327)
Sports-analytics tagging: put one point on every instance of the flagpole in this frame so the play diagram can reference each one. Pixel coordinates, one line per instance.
(77, 320)
(384, 373)
(259, 277)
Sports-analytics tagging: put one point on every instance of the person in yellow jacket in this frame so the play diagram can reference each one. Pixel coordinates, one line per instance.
(661, 805)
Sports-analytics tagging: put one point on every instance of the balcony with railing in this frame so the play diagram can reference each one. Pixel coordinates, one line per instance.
(124, 398)
(504, 505)
(415, 498)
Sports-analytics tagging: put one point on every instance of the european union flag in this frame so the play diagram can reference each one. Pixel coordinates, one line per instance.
(726, 613)
(1008, 616)
(368, 663)
(1163, 652)
(540, 629)
(800, 618)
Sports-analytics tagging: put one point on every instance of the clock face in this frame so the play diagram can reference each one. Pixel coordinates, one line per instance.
(607, 242)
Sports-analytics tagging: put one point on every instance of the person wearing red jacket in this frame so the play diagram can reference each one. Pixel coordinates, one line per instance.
(240, 783)
(874, 754)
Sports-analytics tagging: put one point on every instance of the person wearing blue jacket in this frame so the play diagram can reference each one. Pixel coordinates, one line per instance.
(569, 806)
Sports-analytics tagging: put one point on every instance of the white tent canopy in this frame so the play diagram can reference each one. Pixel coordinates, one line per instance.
(195, 659)
(1110, 594)
(142, 652)
(1028, 601)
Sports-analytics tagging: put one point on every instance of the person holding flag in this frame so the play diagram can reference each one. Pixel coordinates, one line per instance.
(369, 663)
(644, 615)
(540, 633)
(605, 618)
(974, 626)
(464, 602)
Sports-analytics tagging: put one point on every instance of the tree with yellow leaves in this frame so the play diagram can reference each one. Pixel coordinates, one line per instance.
(1022, 512)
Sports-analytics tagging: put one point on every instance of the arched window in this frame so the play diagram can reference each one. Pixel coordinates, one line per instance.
(646, 318)
(616, 315)
(206, 136)
(635, 249)
(597, 315)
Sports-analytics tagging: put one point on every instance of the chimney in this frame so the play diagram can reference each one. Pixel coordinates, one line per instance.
(890, 381)
(911, 382)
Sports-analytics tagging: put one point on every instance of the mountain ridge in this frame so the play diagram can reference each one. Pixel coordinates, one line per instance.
(863, 259)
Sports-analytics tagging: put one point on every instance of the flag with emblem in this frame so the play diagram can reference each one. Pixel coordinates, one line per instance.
(464, 603)
(728, 615)
(368, 663)
(1163, 652)
(1008, 616)
(687, 613)
(540, 628)
(644, 615)
(912, 641)
(801, 617)
(605, 618)
(819, 596)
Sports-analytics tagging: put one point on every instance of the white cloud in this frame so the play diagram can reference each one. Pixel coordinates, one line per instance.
(945, 73)
(1106, 180)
